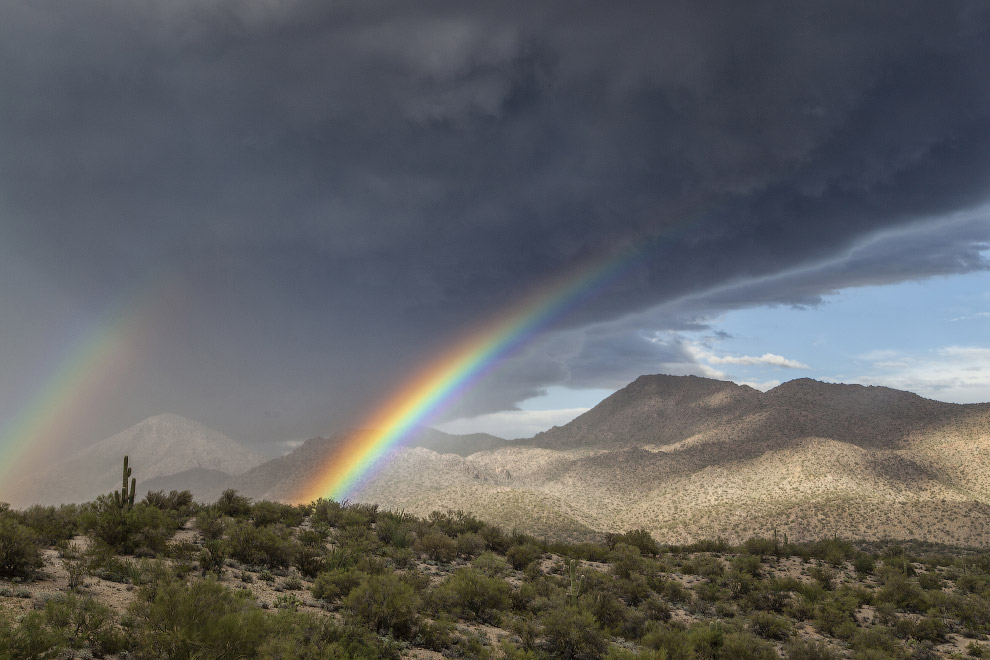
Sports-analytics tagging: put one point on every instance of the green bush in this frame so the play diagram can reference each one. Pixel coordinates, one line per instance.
(638, 538)
(770, 626)
(272, 546)
(478, 595)
(82, 622)
(523, 554)
(327, 512)
(437, 546)
(211, 523)
(799, 649)
(128, 530)
(266, 512)
(333, 586)
(179, 501)
(231, 504)
(174, 621)
(385, 604)
(299, 636)
(743, 646)
(491, 564)
(572, 634)
(20, 553)
(51, 524)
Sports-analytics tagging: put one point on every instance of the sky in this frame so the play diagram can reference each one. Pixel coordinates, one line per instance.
(265, 215)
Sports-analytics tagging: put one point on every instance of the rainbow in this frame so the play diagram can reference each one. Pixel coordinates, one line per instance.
(440, 381)
(45, 422)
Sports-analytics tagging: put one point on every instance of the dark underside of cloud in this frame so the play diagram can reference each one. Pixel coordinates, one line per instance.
(333, 190)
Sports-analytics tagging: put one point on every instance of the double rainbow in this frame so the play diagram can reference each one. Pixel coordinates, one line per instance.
(440, 381)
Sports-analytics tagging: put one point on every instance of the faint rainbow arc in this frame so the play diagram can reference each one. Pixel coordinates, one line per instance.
(98, 357)
(439, 381)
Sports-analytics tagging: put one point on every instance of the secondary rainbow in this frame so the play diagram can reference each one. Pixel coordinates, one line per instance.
(440, 381)
(44, 424)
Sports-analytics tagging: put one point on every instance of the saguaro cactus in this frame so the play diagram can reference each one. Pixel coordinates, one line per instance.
(124, 498)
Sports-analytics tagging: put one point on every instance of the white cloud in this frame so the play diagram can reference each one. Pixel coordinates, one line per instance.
(763, 386)
(970, 317)
(768, 359)
(959, 374)
(512, 424)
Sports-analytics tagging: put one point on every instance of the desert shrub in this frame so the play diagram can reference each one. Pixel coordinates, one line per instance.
(127, 530)
(298, 636)
(609, 611)
(327, 512)
(588, 551)
(618, 653)
(211, 523)
(230, 503)
(744, 646)
(902, 591)
(523, 554)
(212, 557)
(761, 547)
(180, 501)
(477, 595)
(453, 523)
(385, 604)
(30, 637)
(103, 562)
(670, 639)
(495, 539)
(309, 559)
(799, 649)
(706, 639)
(638, 538)
(924, 628)
(675, 592)
(266, 512)
(491, 564)
(394, 531)
(833, 612)
(333, 586)
(470, 544)
(876, 643)
(770, 626)
(437, 546)
(863, 563)
(271, 546)
(83, 622)
(626, 560)
(705, 566)
(51, 524)
(572, 634)
(20, 553)
(174, 621)
(749, 564)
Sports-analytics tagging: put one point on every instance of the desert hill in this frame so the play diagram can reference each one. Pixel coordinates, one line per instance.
(688, 457)
(280, 479)
(159, 448)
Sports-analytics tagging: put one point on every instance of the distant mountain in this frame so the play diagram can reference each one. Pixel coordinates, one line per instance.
(282, 477)
(689, 457)
(158, 447)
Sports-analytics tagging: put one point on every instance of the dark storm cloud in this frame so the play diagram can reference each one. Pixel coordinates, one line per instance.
(336, 188)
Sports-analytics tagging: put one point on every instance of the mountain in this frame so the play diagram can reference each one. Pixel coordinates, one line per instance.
(158, 447)
(688, 457)
(281, 478)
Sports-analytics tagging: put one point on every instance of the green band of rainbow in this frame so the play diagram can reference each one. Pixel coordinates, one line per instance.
(436, 384)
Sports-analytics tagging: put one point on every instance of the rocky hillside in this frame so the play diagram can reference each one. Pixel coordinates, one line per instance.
(688, 458)
(159, 447)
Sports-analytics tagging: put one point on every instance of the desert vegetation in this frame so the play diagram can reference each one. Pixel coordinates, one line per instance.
(166, 577)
